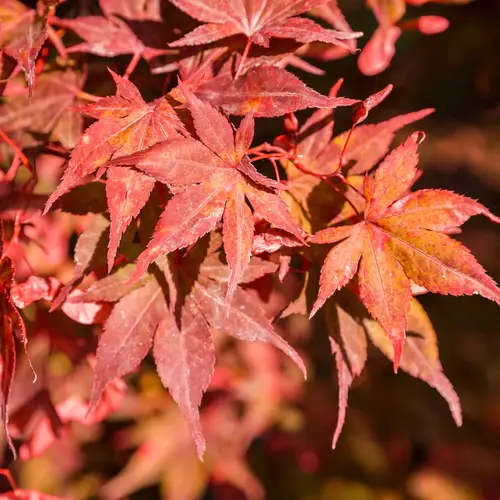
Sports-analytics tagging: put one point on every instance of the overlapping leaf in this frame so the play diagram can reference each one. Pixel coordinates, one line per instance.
(258, 20)
(182, 344)
(218, 177)
(348, 327)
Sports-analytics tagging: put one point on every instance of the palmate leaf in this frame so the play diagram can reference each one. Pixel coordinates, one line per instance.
(391, 249)
(258, 20)
(318, 155)
(218, 177)
(182, 343)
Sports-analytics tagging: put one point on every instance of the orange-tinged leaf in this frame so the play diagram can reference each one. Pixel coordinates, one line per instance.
(435, 209)
(384, 288)
(185, 361)
(126, 124)
(265, 91)
(393, 178)
(399, 248)
(439, 263)
(333, 234)
(340, 265)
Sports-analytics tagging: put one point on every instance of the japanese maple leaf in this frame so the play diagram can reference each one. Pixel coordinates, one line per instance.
(126, 124)
(401, 238)
(265, 90)
(23, 33)
(219, 178)
(319, 157)
(182, 345)
(258, 20)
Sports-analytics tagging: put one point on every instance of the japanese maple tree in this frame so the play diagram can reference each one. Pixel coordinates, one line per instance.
(189, 231)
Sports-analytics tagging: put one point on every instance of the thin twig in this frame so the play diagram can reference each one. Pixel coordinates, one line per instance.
(17, 151)
(244, 56)
(132, 65)
(57, 42)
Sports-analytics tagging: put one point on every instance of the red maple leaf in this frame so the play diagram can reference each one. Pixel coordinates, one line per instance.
(217, 178)
(401, 238)
(258, 20)
(147, 315)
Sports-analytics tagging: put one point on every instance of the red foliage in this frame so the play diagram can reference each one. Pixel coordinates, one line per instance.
(182, 231)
